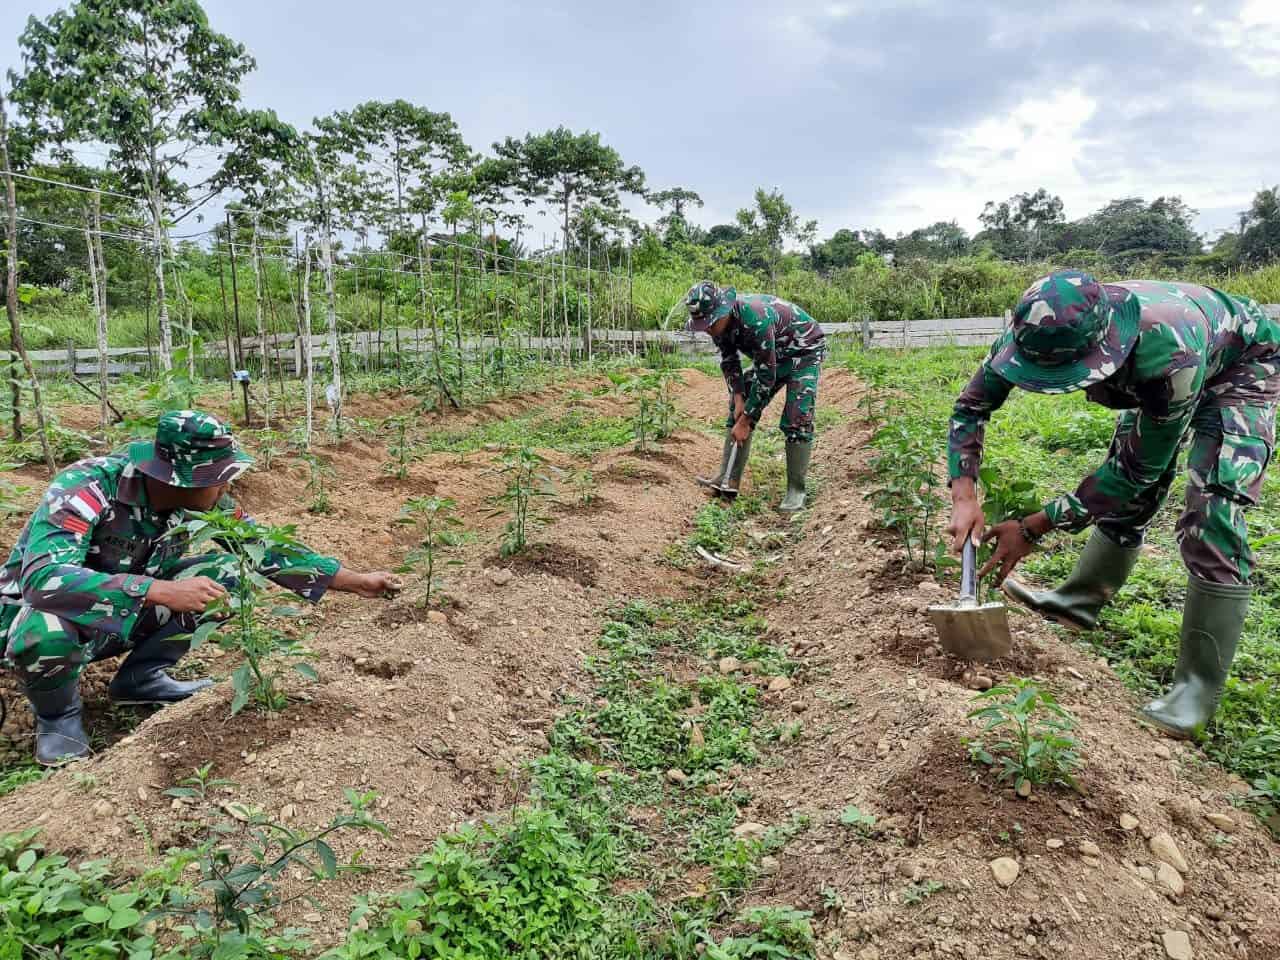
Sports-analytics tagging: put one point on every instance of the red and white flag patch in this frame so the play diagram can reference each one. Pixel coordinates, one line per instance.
(88, 502)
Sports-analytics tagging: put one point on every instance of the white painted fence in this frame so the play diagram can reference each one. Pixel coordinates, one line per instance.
(285, 350)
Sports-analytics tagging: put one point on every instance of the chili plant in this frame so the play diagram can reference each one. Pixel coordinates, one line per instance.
(433, 519)
(526, 484)
(907, 494)
(584, 486)
(1035, 740)
(231, 908)
(402, 451)
(317, 485)
(270, 445)
(245, 612)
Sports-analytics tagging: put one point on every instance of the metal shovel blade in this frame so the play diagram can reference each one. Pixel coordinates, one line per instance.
(967, 629)
(973, 632)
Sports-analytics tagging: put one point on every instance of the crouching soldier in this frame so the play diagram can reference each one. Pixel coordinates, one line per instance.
(94, 575)
(786, 347)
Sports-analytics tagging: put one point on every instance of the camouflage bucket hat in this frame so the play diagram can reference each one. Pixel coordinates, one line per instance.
(1068, 331)
(191, 449)
(707, 304)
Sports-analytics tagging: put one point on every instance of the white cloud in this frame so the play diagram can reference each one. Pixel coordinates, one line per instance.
(1039, 142)
(1254, 36)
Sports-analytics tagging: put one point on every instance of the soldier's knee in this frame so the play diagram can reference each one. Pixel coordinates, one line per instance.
(1214, 542)
(45, 649)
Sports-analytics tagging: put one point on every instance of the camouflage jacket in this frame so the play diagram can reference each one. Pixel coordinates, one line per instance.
(93, 546)
(1191, 339)
(769, 331)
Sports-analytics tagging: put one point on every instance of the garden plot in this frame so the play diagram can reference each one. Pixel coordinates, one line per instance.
(774, 764)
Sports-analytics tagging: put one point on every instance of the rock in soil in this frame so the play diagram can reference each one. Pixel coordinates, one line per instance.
(1089, 849)
(1170, 879)
(1177, 945)
(1222, 822)
(1164, 848)
(778, 684)
(1128, 822)
(677, 776)
(500, 576)
(1005, 870)
(730, 665)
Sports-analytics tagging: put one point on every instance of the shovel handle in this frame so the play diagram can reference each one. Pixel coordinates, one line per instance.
(969, 571)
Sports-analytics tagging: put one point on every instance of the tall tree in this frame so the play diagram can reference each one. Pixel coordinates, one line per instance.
(148, 78)
(1018, 226)
(672, 225)
(769, 225)
(1129, 228)
(567, 169)
(1260, 239)
(841, 250)
(399, 150)
(938, 241)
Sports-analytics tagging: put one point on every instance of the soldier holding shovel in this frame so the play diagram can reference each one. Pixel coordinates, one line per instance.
(1179, 361)
(786, 347)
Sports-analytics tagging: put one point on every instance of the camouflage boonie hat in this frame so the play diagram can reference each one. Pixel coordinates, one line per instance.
(707, 304)
(1068, 331)
(191, 449)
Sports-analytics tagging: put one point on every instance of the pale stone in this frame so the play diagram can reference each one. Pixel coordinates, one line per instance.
(1005, 870)
(1164, 848)
(1177, 945)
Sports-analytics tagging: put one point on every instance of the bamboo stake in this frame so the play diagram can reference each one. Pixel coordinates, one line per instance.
(11, 289)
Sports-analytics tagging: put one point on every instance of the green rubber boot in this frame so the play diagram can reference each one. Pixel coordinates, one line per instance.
(1212, 619)
(798, 452)
(713, 482)
(1101, 570)
(731, 481)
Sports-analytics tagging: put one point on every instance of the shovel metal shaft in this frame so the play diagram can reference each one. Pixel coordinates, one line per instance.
(728, 470)
(969, 572)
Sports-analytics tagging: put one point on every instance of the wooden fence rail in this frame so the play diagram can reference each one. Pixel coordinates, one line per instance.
(285, 350)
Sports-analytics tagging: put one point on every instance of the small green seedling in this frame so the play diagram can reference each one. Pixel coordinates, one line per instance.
(317, 486)
(864, 824)
(527, 483)
(1036, 744)
(433, 519)
(919, 892)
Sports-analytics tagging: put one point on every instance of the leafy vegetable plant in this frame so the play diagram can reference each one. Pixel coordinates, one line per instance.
(1034, 739)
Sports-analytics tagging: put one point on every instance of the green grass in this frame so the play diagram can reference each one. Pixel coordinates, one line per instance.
(1054, 442)
(576, 432)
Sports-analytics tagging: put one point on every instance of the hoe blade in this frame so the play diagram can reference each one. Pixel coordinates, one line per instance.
(973, 632)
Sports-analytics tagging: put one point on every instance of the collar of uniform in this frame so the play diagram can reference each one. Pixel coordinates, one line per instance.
(132, 489)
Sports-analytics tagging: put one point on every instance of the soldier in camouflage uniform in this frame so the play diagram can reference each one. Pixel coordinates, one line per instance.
(1179, 361)
(94, 574)
(786, 347)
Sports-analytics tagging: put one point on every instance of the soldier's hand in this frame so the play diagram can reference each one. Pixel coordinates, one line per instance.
(1010, 548)
(367, 585)
(967, 520)
(185, 596)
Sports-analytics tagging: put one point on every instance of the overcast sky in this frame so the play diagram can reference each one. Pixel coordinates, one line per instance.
(889, 115)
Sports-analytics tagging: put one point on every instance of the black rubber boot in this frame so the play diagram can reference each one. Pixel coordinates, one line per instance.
(60, 736)
(142, 679)
(1212, 619)
(714, 482)
(798, 452)
(1100, 571)
(732, 480)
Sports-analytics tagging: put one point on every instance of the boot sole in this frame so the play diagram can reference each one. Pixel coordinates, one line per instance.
(62, 761)
(1172, 732)
(1060, 619)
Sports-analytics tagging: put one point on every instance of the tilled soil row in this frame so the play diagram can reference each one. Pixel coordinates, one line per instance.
(429, 708)
(883, 713)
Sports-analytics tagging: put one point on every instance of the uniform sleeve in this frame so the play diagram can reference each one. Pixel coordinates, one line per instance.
(55, 578)
(1170, 379)
(731, 365)
(985, 393)
(304, 572)
(764, 363)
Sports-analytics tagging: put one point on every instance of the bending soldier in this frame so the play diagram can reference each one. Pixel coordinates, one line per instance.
(786, 347)
(1178, 360)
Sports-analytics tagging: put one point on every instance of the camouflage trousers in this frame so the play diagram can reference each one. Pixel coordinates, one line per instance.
(47, 652)
(800, 378)
(1232, 436)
